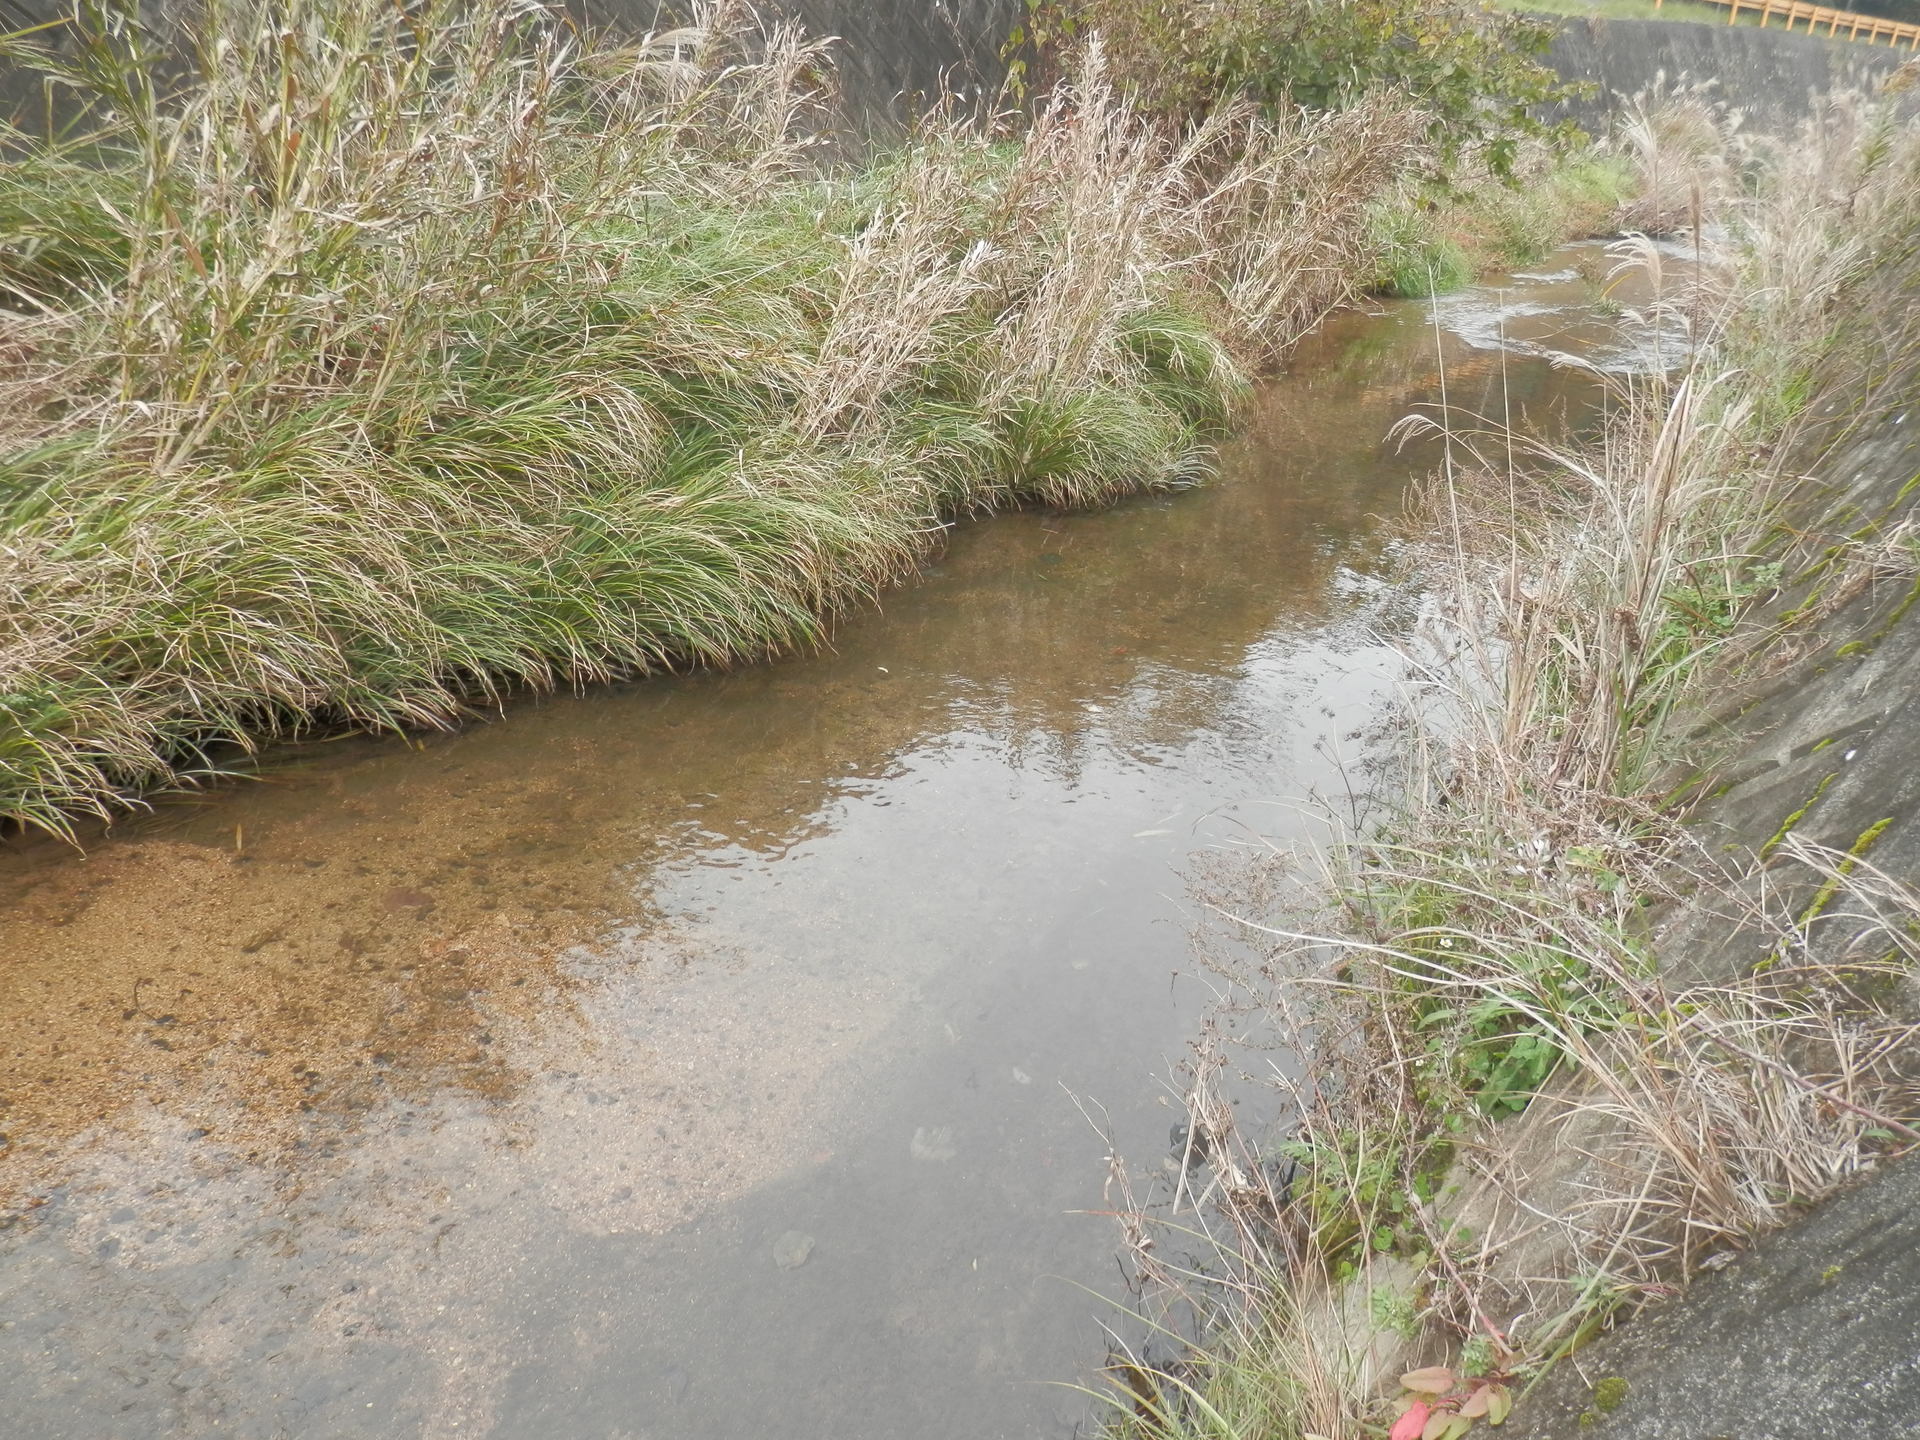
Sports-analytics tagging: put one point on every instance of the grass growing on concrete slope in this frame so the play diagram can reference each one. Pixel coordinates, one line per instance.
(1512, 1121)
(396, 355)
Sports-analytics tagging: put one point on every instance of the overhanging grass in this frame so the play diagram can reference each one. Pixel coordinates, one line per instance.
(401, 355)
(573, 499)
(1445, 240)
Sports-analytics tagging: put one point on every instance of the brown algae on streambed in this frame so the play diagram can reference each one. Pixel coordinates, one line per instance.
(487, 1085)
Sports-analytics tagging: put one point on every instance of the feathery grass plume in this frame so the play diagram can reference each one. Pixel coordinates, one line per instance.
(1682, 145)
(1095, 290)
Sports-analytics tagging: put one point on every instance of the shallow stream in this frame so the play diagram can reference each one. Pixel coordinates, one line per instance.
(710, 1057)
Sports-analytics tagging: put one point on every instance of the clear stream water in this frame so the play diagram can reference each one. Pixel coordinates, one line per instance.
(706, 1058)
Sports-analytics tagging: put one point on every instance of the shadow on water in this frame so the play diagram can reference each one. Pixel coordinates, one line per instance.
(699, 1058)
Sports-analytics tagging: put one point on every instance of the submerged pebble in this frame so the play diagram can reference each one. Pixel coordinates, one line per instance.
(1190, 1144)
(933, 1142)
(791, 1250)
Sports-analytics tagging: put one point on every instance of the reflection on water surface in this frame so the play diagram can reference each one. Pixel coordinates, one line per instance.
(698, 1058)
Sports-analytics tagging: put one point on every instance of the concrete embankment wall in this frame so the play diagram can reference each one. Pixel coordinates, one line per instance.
(889, 55)
(893, 53)
(1768, 75)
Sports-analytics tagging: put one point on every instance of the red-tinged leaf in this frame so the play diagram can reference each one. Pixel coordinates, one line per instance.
(1478, 1403)
(1499, 1404)
(1434, 1380)
(1413, 1423)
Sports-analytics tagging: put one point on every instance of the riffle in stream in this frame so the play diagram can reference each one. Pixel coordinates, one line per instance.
(705, 1058)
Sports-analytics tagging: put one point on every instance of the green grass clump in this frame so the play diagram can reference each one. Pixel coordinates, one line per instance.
(1416, 257)
(391, 357)
(1441, 241)
(1579, 195)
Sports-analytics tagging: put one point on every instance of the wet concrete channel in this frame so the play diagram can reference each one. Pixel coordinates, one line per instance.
(705, 1057)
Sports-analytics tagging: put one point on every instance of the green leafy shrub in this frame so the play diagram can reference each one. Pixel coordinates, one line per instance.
(1473, 69)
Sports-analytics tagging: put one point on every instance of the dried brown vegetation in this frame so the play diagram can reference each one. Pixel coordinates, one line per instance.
(1515, 1115)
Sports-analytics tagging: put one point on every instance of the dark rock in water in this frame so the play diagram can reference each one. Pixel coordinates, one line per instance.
(933, 1143)
(1159, 1386)
(1190, 1143)
(1280, 1172)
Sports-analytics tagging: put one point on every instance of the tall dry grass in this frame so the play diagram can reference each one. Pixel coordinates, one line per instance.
(381, 358)
(1686, 150)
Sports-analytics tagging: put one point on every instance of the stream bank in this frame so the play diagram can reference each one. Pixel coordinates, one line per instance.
(1804, 1334)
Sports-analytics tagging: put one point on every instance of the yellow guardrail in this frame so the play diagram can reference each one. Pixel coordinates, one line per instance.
(1871, 28)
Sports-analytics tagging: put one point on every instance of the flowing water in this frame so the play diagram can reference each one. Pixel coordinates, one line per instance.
(721, 1056)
